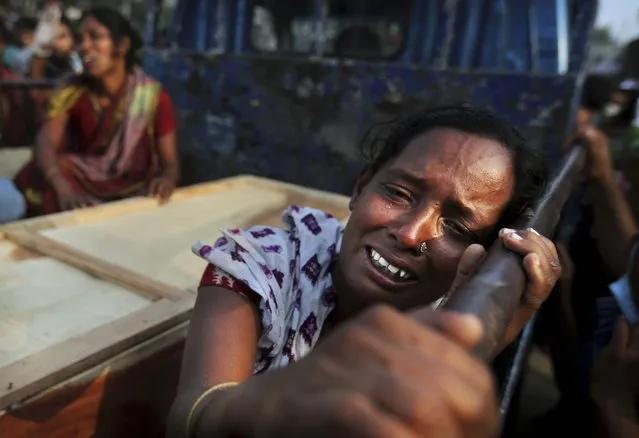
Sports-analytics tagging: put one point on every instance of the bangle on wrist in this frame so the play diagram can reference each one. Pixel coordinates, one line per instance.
(199, 405)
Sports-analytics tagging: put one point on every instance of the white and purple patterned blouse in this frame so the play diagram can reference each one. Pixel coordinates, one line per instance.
(289, 269)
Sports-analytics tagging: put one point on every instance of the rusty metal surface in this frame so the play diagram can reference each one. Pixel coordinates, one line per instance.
(301, 120)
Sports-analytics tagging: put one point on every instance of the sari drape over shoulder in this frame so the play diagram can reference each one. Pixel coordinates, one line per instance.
(108, 153)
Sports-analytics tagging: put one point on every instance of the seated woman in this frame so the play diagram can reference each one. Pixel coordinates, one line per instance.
(438, 189)
(108, 135)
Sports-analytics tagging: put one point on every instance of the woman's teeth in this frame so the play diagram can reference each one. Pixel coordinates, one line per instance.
(87, 58)
(384, 265)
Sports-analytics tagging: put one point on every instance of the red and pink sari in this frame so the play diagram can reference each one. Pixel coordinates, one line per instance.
(110, 153)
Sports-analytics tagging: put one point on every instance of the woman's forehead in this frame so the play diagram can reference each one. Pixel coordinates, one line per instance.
(456, 150)
(91, 23)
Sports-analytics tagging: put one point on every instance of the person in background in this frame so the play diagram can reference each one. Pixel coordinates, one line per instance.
(24, 30)
(612, 233)
(570, 317)
(12, 204)
(33, 44)
(597, 251)
(57, 63)
(109, 134)
(19, 107)
(614, 385)
(614, 378)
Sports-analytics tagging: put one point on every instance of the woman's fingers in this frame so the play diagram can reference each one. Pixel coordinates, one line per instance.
(542, 267)
(153, 187)
(161, 188)
(541, 260)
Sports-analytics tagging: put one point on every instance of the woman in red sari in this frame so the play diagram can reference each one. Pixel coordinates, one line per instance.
(109, 134)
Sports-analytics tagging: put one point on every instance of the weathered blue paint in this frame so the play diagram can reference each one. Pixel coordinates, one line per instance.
(299, 119)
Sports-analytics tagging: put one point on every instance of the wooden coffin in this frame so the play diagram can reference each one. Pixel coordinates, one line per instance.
(94, 305)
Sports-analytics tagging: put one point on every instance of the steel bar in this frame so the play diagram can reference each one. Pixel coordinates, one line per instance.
(494, 292)
(517, 367)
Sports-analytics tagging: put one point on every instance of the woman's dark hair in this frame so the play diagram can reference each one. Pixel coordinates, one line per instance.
(23, 24)
(385, 141)
(64, 20)
(119, 27)
(596, 92)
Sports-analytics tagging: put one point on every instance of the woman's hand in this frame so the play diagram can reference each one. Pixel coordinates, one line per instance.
(615, 373)
(382, 374)
(69, 199)
(542, 267)
(162, 188)
(540, 262)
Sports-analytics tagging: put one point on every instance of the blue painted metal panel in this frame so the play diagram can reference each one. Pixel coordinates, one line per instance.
(292, 118)
(547, 22)
(493, 36)
(516, 54)
(429, 22)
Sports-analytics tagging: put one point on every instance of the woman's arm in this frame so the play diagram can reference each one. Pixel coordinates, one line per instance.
(220, 347)
(47, 143)
(162, 186)
(165, 127)
(614, 224)
(167, 149)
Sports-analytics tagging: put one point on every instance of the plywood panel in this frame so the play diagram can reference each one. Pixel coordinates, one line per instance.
(156, 242)
(44, 302)
(56, 321)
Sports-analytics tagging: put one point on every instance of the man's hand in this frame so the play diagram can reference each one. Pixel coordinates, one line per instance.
(383, 374)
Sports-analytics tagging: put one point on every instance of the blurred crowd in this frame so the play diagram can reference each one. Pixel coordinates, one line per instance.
(32, 48)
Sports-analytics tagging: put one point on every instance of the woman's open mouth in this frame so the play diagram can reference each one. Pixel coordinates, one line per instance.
(88, 59)
(386, 268)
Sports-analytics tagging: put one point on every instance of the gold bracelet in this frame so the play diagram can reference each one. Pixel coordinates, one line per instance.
(198, 402)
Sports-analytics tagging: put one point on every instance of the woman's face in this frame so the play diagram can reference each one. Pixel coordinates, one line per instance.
(25, 37)
(448, 189)
(99, 55)
(63, 41)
